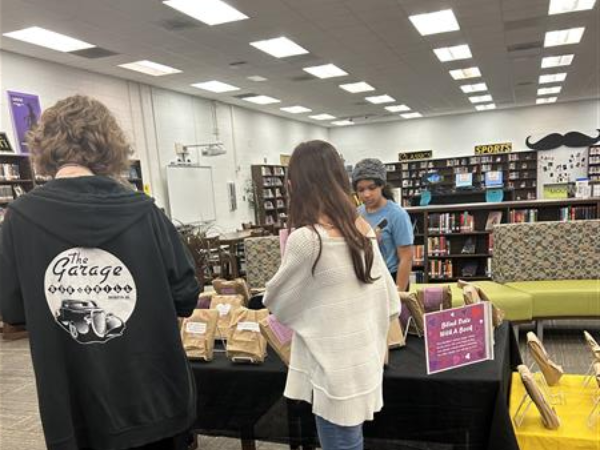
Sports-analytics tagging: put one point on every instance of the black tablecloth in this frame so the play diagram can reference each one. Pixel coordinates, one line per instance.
(465, 407)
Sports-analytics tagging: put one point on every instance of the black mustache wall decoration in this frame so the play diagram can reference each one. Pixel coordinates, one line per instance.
(555, 140)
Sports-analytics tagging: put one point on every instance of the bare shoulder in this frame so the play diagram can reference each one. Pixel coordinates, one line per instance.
(364, 227)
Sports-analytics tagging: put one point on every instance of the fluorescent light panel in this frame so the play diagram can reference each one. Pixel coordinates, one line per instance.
(563, 37)
(323, 117)
(557, 61)
(296, 109)
(379, 99)
(567, 6)
(325, 71)
(355, 88)
(543, 100)
(435, 22)
(550, 90)
(216, 86)
(485, 107)
(49, 39)
(280, 47)
(342, 123)
(471, 88)
(481, 99)
(150, 68)
(262, 100)
(211, 12)
(463, 74)
(553, 78)
(455, 53)
(397, 108)
(413, 115)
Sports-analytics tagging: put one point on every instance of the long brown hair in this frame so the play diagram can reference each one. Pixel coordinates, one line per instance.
(321, 186)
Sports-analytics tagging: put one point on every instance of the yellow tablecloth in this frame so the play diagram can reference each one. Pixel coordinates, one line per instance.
(574, 433)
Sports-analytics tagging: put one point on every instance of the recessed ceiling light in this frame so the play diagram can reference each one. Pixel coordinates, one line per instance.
(355, 88)
(211, 12)
(342, 123)
(261, 100)
(322, 117)
(296, 109)
(549, 90)
(553, 78)
(325, 71)
(413, 115)
(257, 78)
(150, 68)
(557, 61)
(455, 53)
(379, 99)
(397, 108)
(470, 88)
(216, 86)
(485, 107)
(463, 74)
(436, 22)
(563, 37)
(481, 99)
(541, 101)
(49, 39)
(280, 47)
(566, 6)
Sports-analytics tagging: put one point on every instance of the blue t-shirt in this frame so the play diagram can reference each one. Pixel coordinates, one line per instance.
(398, 231)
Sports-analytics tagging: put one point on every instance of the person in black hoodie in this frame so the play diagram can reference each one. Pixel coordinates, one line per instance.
(99, 275)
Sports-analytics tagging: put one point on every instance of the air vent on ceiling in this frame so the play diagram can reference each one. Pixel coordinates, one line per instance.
(303, 78)
(179, 24)
(534, 22)
(237, 64)
(94, 53)
(525, 46)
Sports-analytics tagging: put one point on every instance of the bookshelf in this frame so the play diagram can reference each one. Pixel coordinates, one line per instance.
(519, 173)
(594, 163)
(269, 194)
(134, 175)
(457, 241)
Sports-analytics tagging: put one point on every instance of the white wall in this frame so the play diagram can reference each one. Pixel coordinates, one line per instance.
(155, 119)
(457, 135)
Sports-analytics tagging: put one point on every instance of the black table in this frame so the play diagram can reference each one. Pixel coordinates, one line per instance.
(466, 408)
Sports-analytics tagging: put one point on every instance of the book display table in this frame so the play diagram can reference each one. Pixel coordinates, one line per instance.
(466, 408)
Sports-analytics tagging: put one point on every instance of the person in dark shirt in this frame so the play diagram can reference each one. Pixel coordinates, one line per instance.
(99, 276)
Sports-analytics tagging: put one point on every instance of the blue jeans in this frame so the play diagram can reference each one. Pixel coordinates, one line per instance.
(337, 437)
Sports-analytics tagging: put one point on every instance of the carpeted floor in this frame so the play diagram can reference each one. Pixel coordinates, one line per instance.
(20, 427)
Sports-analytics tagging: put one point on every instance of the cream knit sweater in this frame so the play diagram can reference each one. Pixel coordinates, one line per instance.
(340, 325)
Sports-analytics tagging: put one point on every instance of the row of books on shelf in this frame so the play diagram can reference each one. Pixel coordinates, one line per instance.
(594, 169)
(273, 181)
(442, 246)
(269, 206)
(525, 196)
(273, 171)
(523, 215)
(276, 219)
(272, 193)
(451, 223)
(418, 255)
(577, 213)
(518, 175)
(594, 150)
(445, 269)
(9, 193)
(10, 172)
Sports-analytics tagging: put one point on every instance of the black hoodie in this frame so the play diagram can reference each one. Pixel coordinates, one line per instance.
(99, 275)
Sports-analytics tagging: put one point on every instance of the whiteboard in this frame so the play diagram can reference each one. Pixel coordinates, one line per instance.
(191, 193)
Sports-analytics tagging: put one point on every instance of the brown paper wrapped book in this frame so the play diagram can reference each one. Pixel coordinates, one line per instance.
(552, 372)
(549, 417)
(474, 294)
(198, 334)
(233, 287)
(278, 336)
(245, 343)
(396, 334)
(593, 345)
(435, 298)
(226, 305)
(415, 308)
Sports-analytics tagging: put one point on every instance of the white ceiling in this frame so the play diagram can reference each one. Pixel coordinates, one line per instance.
(372, 40)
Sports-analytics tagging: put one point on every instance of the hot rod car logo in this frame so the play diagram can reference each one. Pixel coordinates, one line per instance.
(88, 323)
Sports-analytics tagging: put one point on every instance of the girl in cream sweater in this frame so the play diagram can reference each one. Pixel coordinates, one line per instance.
(334, 291)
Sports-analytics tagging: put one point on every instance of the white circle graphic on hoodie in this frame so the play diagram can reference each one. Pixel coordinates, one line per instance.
(91, 294)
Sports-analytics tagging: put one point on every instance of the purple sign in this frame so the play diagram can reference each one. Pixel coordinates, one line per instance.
(26, 111)
(458, 337)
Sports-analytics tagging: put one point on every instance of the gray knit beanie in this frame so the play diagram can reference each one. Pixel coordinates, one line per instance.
(369, 169)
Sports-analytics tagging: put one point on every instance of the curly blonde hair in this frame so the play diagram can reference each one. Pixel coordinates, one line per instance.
(79, 130)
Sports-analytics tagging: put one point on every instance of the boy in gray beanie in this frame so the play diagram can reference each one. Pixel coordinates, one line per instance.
(390, 221)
